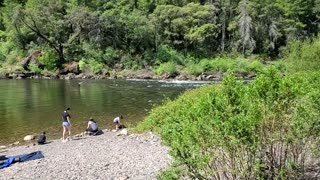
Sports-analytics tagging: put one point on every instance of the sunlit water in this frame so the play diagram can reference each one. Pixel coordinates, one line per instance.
(33, 106)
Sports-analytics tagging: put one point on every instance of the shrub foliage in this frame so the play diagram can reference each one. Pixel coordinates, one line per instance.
(267, 129)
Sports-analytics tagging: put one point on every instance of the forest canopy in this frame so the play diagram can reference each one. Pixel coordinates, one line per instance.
(142, 33)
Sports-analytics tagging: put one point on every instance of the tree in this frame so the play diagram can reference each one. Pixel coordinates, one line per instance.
(245, 26)
(52, 24)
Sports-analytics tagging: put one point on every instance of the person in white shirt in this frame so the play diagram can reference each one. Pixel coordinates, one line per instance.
(117, 122)
(92, 126)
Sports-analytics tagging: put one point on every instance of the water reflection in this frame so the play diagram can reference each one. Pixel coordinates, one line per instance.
(33, 106)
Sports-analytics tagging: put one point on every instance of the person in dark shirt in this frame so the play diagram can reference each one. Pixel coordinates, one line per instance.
(66, 124)
(42, 138)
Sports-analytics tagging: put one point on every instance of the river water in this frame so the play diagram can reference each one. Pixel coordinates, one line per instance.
(33, 106)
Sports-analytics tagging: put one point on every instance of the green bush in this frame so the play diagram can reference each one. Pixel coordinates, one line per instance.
(82, 65)
(167, 54)
(130, 63)
(91, 66)
(168, 68)
(193, 69)
(2, 57)
(254, 66)
(95, 66)
(110, 55)
(303, 56)
(49, 59)
(235, 131)
(34, 69)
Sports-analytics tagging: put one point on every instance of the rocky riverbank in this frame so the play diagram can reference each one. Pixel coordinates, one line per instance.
(125, 74)
(106, 156)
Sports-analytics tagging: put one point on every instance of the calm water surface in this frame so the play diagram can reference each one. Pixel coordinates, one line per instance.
(33, 106)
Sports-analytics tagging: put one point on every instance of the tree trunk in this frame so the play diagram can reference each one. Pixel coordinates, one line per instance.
(61, 59)
(223, 29)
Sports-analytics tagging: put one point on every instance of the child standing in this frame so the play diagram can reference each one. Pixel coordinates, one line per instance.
(117, 122)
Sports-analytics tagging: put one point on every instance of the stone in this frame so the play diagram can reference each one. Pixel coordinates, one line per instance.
(32, 59)
(72, 67)
(16, 143)
(3, 147)
(79, 76)
(122, 178)
(29, 137)
(123, 132)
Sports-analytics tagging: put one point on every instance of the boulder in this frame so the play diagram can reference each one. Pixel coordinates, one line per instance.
(123, 132)
(3, 147)
(70, 76)
(72, 67)
(29, 137)
(79, 76)
(3, 76)
(12, 76)
(145, 75)
(31, 59)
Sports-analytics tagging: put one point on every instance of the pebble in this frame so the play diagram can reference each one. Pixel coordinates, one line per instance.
(105, 156)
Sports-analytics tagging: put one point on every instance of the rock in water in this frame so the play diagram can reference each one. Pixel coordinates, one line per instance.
(28, 137)
(16, 143)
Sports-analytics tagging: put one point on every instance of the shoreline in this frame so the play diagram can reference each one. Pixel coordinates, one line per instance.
(105, 156)
(127, 74)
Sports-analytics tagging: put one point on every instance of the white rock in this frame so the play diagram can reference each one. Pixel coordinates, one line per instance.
(3, 147)
(28, 137)
(123, 132)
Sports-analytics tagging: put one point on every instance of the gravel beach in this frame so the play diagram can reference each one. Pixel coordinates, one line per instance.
(106, 156)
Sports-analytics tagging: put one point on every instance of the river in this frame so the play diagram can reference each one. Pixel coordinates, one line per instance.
(33, 106)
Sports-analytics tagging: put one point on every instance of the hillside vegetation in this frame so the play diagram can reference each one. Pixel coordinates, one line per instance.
(165, 36)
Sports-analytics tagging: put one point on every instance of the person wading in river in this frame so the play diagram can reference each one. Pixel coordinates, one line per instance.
(66, 124)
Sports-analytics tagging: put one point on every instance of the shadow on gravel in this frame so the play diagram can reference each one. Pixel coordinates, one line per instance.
(48, 142)
(98, 133)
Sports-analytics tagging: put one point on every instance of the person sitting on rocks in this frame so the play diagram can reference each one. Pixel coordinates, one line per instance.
(42, 138)
(117, 122)
(92, 127)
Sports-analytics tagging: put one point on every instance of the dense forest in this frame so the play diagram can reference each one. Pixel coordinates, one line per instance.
(190, 36)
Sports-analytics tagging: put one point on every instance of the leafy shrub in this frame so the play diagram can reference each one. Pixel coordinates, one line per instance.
(129, 62)
(303, 56)
(167, 68)
(34, 69)
(91, 66)
(92, 52)
(82, 65)
(267, 129)
(167, 54)
(13, 57)
(95, 66)
(110, 55)
(49, 59)
(2, 57)
(193, 69)
(254, 66)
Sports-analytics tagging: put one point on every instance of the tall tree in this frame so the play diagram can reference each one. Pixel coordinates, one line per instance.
(50, 22)
(245, 27)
